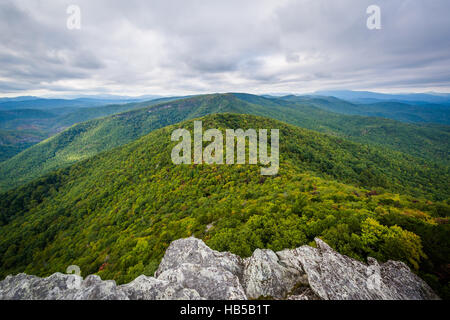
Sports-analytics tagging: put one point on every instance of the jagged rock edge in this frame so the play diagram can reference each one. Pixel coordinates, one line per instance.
(191, 270)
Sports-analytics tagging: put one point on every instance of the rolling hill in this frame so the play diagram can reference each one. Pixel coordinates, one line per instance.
(48, 104)
(400, 111)
(30, 126)
(425, 113)
(115, 213)
(373, 97)
(89, 138)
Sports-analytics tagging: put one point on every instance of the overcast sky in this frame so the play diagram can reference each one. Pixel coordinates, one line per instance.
(183, 47)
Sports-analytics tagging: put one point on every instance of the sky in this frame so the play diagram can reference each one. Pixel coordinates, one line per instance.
(202, 46)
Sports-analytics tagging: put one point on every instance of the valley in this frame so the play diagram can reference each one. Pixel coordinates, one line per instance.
(46, 117)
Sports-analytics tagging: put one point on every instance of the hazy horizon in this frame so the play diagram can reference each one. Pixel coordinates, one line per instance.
(156, 96)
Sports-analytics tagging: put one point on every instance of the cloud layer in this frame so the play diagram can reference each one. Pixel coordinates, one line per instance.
(192, 46)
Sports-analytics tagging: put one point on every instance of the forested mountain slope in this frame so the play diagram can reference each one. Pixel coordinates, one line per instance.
(30, 126)
(86, 139)
(400, 111)
(115, 213)
(431, 142)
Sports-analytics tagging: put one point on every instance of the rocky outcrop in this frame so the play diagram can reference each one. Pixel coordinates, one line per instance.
(268, 276)
(213, 274)
(196, 252)
(190, 270)
(72, 287)
(337, 277)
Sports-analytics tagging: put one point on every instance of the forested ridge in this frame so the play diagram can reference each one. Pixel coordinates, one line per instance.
(83, 140)
(116, 212)
(23, 128)
(412, 112)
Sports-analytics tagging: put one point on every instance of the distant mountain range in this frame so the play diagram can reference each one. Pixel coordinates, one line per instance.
(351, 96)
(87, 139)
(42, 103)
(401, 111)
(371, 97)
(27, 120)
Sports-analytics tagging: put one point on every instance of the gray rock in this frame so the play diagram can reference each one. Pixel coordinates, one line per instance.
(195, 251)
(149, 288)
(190, 270)
(94, 288)
(337, 277)
(405, 285)
(71, 287)
(214, 275)
(25, 287)
(59, 287)
(304, 294)
(266, 276)
(214, 283)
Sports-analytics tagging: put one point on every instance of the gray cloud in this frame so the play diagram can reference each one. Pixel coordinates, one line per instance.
(182, 47)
